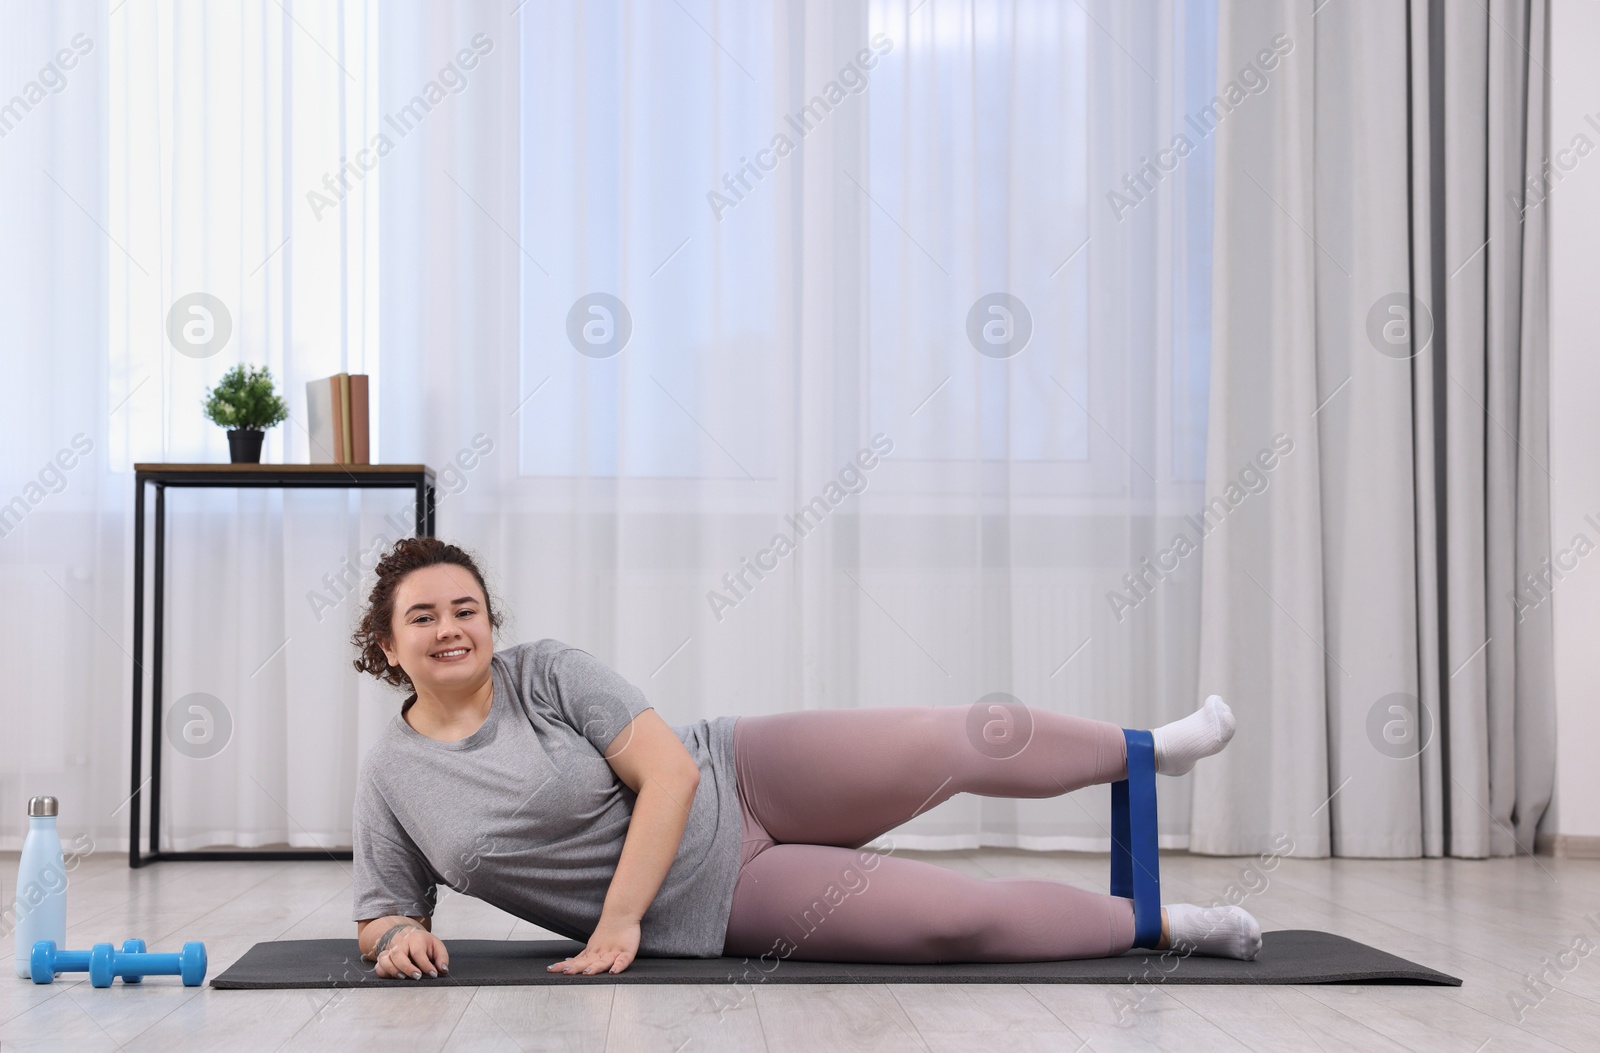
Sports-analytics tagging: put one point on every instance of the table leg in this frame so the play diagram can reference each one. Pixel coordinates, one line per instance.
(135, 798)
(157, 712)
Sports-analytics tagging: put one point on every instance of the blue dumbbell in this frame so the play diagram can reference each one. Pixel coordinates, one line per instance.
(45, 961)
(132, 947)
(133, 964)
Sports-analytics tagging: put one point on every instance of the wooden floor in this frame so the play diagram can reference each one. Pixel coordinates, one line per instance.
(1490, 923)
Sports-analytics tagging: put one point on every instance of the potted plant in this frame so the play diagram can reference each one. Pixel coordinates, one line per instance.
(244, 403)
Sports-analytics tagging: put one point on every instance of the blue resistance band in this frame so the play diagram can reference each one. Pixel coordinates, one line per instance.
(1135, 864)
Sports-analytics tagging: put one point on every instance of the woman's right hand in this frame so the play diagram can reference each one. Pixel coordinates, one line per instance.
(412, 953)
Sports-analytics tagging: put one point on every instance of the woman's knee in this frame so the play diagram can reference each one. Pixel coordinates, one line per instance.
(954, 933)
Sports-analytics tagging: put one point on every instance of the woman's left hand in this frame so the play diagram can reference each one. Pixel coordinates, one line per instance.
(613, 945)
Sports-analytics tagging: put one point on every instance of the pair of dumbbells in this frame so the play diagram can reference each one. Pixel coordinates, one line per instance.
(105, 963)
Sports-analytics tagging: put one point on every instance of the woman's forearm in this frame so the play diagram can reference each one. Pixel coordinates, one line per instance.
(660, 813)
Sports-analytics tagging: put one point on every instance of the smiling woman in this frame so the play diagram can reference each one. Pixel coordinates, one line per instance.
(515, 777)
(390, 646)
(448, 644)
(540, 781)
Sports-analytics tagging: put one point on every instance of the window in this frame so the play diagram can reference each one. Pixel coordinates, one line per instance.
(903, 197)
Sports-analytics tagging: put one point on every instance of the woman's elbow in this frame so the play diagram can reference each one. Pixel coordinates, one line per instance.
(685, 778)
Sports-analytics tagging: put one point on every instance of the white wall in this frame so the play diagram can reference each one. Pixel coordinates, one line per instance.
(1574, 204)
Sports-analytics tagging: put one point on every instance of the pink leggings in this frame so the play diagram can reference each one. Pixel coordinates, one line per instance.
(816, 785)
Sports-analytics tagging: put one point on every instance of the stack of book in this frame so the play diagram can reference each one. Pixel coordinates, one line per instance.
(336, 417)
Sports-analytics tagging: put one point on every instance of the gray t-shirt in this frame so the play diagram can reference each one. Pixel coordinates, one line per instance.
(526, 814)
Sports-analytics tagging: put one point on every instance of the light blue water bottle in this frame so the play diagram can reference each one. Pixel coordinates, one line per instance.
(40, 910)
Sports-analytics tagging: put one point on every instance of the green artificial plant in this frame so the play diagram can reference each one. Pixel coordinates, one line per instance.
(245, 400)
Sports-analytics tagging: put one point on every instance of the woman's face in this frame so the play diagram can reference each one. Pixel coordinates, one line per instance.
(437, 610)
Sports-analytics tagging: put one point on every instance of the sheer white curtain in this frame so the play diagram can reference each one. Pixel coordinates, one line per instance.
(180, 157)
(233, 129)
(61, 584)
(740, 241)
(982, 241)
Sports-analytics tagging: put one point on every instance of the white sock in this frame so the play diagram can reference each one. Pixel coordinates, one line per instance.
(1200, 734)
(1220, 932)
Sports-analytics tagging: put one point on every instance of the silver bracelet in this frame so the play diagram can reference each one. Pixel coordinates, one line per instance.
(383, 941)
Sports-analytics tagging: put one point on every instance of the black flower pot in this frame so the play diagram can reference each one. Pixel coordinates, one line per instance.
(244, 445)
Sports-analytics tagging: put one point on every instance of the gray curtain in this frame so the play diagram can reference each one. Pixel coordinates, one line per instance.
(1379, 616)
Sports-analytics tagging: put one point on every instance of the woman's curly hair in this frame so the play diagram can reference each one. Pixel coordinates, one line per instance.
(407, 555)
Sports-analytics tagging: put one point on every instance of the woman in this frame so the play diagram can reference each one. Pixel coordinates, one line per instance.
(540, 781)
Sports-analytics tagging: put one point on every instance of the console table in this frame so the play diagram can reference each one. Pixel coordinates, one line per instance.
(416, 477)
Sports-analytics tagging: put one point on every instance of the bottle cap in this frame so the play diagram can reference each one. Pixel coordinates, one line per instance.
(38, 806)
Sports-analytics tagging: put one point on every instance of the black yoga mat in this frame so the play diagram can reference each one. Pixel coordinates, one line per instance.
(1288, 956)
